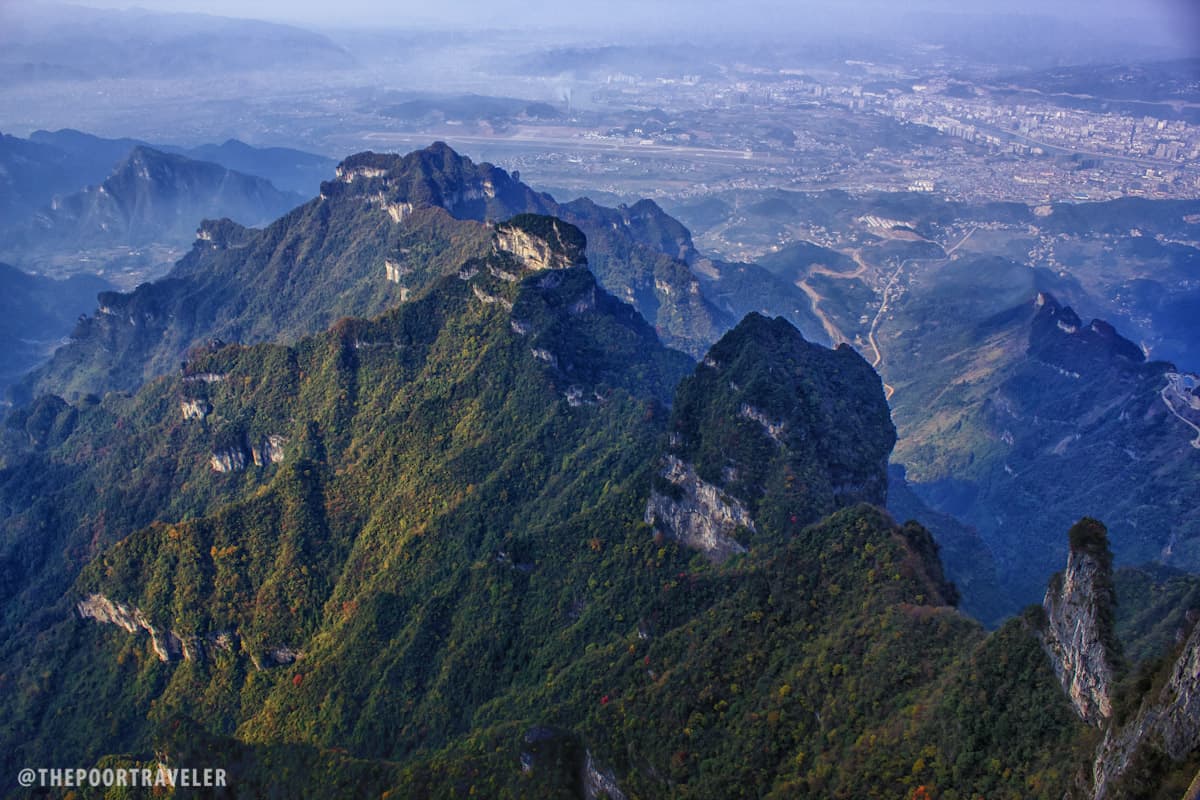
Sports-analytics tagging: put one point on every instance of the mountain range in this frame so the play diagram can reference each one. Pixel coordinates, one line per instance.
(1132, 261)
(438, 487)
(288, 169)
(1005, 417)
(300, 557)
(52, 41)
(972, 347)
(150, 196)
(1030, 415)
(75, 203)
(138, 214)
(382, 231)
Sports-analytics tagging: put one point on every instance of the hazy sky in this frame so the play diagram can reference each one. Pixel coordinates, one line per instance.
(1174, 22)
(550, 12)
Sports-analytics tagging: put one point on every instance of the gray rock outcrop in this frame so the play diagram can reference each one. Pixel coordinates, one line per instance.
(166, 643)
(1170, 721)
(195, 409)
(699, 514)
(230, 459)
(598, 782)
(533, 251)
(269, 450)
(1075, 638)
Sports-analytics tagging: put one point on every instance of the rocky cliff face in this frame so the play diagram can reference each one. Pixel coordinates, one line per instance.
(1080, 641)
(599, 783)
(534, 252)
(1168, 722)
(263, 451)
(232, 459)
(1078, 632)
(195, 409)
(268, 450)
(697, 513)
(541, 242)
(170, 645)
(167, 645)
(1180, 702)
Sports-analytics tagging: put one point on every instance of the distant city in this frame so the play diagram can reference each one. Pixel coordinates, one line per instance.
(991, 147)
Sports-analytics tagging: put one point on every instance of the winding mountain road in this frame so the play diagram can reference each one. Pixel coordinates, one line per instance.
(835, 333)
(888, 389)
(872, 336)
(831, 328)
(1177, 387)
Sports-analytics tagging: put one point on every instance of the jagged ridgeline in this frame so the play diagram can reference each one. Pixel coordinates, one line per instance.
(1029, 418)
(382, 232)
(445, 550)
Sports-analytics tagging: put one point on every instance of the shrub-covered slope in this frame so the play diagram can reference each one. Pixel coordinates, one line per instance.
(411, 556)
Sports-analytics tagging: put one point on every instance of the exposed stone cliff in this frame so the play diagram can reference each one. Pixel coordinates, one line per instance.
(167, 645)
(230, 459)
(264, 450)
(541, 242)
(1078, 632)
(1168, 722)
(697, 513)
(195, 409)
(1080, 641)
(599, 783)
(269, 450)
(170, 645)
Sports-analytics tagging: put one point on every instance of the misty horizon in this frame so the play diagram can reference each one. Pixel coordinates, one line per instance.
(1173, 24)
